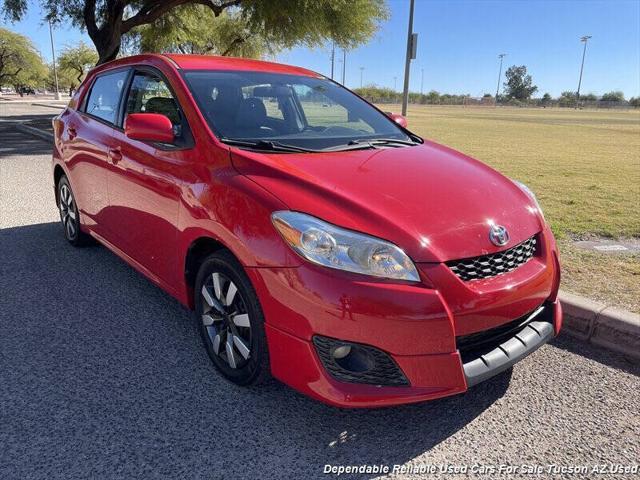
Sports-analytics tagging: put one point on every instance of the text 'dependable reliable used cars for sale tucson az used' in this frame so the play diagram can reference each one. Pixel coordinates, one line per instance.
(318, 240)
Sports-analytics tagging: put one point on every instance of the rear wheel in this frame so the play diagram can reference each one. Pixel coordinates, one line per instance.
(231, 320)
(69, 215)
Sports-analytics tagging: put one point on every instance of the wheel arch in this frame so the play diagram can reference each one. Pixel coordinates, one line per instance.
(199, 249)
(58, 173)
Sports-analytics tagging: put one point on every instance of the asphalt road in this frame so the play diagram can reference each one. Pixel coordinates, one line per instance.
(38, 116)
(102, 375)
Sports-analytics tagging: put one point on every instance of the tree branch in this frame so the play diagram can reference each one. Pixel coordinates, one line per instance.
(236, 41)
(150, 12)
(89, 14)
(219, 8)
(9, 75)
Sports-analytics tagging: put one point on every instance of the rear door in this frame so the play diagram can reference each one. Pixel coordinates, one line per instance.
(88, 140)
(146, 182)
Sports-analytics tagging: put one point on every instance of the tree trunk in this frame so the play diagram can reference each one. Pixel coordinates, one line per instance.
(107, 44)
(108, 52)
(107, 37)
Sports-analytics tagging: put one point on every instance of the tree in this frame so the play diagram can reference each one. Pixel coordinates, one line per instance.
(280, 22)
(567, 99)
(66, 79)
(20, 62)
(519, 85)
(616, 96)
(194, 29)
(433, 97)
(546, 100)
(75, 62)
(634, 102)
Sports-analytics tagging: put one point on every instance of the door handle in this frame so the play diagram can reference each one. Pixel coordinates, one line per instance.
(115, 154)
(72, 132)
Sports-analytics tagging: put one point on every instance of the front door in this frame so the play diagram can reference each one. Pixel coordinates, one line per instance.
(146, 181)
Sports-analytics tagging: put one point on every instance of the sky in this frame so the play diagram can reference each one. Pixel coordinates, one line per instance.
(459, 41)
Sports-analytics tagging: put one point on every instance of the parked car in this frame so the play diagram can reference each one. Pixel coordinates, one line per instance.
(25, 90)
(330, 248)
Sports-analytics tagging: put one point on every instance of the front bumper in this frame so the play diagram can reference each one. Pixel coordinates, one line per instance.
(417, 326)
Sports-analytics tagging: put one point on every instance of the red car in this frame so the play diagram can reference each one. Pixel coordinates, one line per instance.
(317, 239)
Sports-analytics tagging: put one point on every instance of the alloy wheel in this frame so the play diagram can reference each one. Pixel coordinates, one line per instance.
(68, 212)
(225, 318)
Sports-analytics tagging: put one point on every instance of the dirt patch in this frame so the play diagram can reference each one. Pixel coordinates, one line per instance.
(609, 246)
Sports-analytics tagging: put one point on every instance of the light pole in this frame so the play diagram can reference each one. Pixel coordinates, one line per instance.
(53, 54)
(333, 57)
(501, 56)
(395, 83)
(421, 80)
(412, 40)
(361, 70)
(344, 65)
(584, 40)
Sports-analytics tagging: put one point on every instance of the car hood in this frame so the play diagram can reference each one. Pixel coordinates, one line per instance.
(435, 203)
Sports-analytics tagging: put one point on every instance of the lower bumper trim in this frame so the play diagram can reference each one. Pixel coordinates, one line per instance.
(528, 340)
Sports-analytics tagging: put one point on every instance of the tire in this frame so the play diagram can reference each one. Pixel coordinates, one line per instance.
(231, 320)
(69, 215)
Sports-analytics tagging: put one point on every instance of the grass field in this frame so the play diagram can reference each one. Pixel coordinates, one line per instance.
(584, 167)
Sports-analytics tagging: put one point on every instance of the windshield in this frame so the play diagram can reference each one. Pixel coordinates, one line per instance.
(287, 110)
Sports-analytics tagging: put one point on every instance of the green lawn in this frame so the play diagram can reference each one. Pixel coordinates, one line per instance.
(584, 166)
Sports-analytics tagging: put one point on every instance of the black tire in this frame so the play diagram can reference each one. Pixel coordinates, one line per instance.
(241, 318)
(69, 215)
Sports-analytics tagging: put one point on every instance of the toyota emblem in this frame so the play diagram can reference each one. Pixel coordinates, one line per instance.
(498, 235)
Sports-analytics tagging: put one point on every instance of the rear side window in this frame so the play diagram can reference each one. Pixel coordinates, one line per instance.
(104, 97)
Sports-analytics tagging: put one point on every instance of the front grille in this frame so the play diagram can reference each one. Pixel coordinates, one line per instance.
(494, 264)
(382, 369)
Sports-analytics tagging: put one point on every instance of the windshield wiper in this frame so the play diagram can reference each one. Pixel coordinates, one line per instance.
(265, 145)
(372, 143)
(386, 141)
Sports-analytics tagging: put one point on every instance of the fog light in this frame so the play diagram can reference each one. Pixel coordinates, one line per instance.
(358, 363)
(353, 358)
(341, 351)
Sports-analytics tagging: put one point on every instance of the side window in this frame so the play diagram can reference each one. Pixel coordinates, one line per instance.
(322, 111)
(104, 96)
(150, 94)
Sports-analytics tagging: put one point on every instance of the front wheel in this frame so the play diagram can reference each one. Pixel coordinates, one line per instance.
(231, 320)
(69, 215)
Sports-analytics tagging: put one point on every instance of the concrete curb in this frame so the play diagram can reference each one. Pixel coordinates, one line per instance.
(58, 106)
(34, 131)
(608, 327)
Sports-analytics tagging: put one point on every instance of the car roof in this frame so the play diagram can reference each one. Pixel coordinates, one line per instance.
(209, 62)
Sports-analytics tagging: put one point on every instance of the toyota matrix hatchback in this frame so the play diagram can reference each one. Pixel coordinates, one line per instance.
(317, 239)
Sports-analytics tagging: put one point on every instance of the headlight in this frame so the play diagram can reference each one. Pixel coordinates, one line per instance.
(531, 195)
(334, 247)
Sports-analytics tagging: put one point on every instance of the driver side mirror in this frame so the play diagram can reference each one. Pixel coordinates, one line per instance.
(149, 127)
(399, 119)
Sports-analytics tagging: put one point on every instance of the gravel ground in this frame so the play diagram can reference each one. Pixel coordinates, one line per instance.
(103, 375)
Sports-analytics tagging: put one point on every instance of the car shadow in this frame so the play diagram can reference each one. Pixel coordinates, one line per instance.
(18, 143)
(104, 375)
(31, 117)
